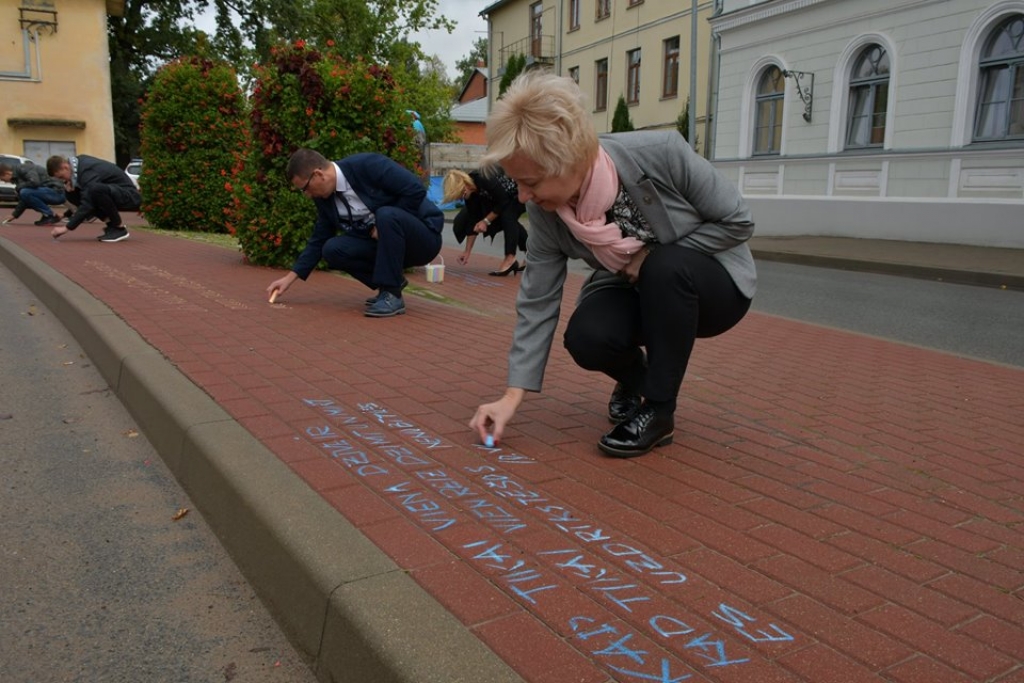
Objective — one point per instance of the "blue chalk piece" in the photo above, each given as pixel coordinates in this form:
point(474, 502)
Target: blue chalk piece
point(489, 441)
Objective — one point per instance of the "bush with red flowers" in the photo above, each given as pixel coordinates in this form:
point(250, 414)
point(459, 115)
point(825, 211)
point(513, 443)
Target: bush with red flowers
point(304, 98)
point(195, 134)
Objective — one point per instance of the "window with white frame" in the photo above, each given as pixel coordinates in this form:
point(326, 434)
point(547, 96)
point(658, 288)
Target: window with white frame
point(574, 74)
point(1000, 106)
point(869, 98)
point(633, 76)
point(601, 85)
point(771, 91)
point(670, 70)
point(604, 9)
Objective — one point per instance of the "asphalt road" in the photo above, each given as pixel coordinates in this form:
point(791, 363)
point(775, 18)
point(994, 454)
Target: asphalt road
point(99, 583)
point(978, 322)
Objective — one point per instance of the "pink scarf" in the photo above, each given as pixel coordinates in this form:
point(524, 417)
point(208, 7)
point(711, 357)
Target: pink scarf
point(587, 219)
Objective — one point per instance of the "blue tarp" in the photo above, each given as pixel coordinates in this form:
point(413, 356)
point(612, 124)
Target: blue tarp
point(435, 193)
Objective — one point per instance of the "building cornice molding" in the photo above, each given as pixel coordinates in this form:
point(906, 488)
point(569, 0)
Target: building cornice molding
point(43, 122)
point(754, 13)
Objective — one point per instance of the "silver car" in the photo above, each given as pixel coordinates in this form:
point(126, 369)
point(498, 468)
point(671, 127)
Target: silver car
point(7, 192)
point(134, 170)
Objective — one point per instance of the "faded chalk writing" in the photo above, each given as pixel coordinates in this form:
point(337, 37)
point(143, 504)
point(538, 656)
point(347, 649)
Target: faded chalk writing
point(184, 283)
point(161, 295)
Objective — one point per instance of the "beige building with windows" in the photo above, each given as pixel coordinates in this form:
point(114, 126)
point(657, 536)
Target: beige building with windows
point(55, 78)
point(892, 119)
point(639, 49)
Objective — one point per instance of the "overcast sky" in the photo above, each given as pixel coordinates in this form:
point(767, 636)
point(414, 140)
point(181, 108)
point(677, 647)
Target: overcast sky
point(470, 26)
point(449, 47)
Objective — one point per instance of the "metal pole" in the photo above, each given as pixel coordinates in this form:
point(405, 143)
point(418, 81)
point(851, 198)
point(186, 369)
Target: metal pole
point(691, 134)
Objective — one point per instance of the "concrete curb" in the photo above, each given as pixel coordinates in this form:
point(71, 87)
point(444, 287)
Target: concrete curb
point(347, 607)
point(963, 277)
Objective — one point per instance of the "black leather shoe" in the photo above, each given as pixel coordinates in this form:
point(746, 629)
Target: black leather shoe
point(623, 404)
point(639, 434)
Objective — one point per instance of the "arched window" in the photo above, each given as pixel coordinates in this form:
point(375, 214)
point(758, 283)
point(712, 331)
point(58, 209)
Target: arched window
point(869, 98)
point(771, 90)
point(1000, 113)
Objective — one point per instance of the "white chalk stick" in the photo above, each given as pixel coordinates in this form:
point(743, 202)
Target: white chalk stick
point(273, 296)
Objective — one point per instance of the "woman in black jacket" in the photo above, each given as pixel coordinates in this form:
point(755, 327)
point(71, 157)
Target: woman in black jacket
point(492, 206)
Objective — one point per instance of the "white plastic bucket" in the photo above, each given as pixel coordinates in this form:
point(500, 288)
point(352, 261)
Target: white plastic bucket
point(435, 271)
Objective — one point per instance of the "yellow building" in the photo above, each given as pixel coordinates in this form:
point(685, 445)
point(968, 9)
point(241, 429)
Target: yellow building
point(55, 78)
point(639, 49)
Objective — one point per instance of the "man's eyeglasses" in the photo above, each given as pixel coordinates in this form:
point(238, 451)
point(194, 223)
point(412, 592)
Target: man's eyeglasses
point(308, 181)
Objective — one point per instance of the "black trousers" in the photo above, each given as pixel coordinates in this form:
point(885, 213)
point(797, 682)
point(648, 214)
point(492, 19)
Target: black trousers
point(506, 223)
point(681, 295)
point(104, 202)
point(403, 240)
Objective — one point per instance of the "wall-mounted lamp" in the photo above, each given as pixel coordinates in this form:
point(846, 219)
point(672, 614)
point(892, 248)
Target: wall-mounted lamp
point(804, 91)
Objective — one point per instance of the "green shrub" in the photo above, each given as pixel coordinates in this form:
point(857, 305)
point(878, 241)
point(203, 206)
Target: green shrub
point(194, 136)
point(304, 98)
point(683, 125)
point(515, 65)
point(621, 122)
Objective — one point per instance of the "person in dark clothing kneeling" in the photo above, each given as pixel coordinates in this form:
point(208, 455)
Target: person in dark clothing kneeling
point(35, 189)
point(100, 189)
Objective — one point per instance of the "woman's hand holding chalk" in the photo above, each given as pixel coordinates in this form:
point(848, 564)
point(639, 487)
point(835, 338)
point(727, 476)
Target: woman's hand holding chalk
point(489, 441)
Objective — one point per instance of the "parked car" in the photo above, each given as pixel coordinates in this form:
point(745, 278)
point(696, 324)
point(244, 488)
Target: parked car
point(134, 170)
point(7, 193)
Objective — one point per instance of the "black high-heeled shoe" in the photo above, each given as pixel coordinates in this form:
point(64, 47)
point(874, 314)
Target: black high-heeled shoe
point(511, 270)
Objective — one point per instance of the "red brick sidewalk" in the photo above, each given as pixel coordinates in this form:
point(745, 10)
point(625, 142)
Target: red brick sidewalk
point(834, 508)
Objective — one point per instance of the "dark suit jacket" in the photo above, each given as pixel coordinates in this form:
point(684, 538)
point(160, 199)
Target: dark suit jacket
point(379, 182)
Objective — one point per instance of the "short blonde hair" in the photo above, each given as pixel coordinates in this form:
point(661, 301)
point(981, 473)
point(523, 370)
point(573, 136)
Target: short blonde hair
point(543, 116)
point(456, 183)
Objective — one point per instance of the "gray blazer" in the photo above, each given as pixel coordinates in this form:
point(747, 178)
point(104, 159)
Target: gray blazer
point(685, 200)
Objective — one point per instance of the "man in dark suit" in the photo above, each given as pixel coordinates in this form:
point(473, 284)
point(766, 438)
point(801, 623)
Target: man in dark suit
point(373, 221)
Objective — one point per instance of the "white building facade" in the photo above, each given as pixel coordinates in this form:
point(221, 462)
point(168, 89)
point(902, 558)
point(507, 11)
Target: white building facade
point(886, 119)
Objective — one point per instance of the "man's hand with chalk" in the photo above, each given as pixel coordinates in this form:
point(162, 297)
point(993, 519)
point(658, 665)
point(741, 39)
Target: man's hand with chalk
point(280, 285)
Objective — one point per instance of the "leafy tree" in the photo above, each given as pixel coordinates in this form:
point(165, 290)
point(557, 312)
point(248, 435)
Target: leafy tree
point(307, 98)
point(467, 64)
point(249, 29)
point(620, 119)
point(194, 134)
point(153, 32)
point(515, 65)
point(427, 92)
point(147, 35)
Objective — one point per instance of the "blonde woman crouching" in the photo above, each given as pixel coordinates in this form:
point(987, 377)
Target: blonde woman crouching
point(665, 232)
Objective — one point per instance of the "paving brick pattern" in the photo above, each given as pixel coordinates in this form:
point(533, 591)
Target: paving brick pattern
point(835, 507)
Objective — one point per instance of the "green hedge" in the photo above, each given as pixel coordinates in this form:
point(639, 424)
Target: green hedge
point(195, 136)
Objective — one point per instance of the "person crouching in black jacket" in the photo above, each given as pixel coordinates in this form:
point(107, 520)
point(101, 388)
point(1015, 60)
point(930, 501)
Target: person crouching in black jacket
point(492, 206)
point(99, 189)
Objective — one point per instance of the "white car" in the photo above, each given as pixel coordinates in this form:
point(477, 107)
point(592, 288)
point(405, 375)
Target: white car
point(7, 192)
point(134, 170)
